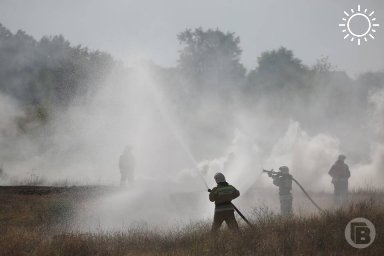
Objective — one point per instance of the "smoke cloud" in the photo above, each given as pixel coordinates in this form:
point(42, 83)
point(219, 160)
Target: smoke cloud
point(184, 127)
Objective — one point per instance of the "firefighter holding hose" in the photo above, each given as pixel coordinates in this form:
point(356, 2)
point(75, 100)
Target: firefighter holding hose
point(222, 195)
point(283, 180)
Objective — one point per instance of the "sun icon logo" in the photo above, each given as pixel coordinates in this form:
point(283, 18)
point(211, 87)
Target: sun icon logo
point(359, 25)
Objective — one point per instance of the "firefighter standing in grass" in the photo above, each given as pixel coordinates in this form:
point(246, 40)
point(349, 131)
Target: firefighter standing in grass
point(284, 181)
point(222, 195)
point(340, 174)
point(127, 166)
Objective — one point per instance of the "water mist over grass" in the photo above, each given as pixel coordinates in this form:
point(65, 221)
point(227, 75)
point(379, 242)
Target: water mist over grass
point(205, 115)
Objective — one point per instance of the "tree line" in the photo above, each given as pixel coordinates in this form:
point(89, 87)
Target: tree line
point(50, 73)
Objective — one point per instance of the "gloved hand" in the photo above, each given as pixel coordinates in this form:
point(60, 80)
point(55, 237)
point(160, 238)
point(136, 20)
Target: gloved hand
point(209, 190)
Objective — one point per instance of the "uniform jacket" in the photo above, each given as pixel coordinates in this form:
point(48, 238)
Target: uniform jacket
point(126, 162)
point(284, 182)
point(222, 195)
point(339, 171)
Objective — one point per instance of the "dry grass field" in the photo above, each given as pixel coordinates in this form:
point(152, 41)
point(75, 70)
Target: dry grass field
point(35, 221)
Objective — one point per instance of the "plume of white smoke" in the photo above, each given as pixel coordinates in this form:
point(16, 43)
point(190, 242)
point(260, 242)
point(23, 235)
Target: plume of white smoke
point(371, 175)
point(86, 141)
point(9, 114)
point(309, 158)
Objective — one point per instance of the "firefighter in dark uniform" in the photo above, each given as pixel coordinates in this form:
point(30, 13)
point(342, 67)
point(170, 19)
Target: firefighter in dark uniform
point(222, 195)
point(284, 181)
point(127, 166)
point(340, 174)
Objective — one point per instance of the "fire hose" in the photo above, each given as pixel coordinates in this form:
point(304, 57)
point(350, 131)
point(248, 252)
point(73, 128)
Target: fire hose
point(271, 172)
point(238, 212)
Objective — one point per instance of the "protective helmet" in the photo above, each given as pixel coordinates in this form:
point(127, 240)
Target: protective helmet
point(341, 157)
point(219, 177)
point(284, 169)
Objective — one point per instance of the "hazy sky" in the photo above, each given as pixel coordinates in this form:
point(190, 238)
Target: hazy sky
point(144, 29)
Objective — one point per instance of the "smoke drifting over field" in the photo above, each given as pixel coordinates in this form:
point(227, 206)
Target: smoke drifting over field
point(193, 121)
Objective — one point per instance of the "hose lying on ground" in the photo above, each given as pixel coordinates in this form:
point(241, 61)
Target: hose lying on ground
point(305, 192)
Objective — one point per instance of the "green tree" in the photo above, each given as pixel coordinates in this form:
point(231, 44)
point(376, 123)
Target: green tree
point(278, 69)
point(210, 57)
point(49, 73)
point(323, 65)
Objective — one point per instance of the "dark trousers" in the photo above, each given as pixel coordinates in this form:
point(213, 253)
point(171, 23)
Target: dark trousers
point(227, 216)
point(126, 176)
point(341, 190)
point(286, 204)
